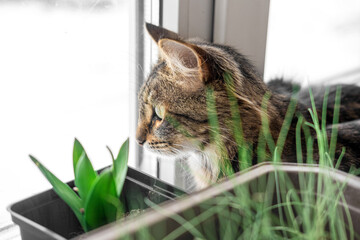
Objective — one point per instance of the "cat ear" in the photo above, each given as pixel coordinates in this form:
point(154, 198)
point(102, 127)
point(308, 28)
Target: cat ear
point(179, 54)
point(184, 60)
point(158, 33)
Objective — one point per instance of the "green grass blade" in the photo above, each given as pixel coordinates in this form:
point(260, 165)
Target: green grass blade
point(242, 146)
point(287, 121)
point(84, 175)
point(63, 191)
point(309, 144)
point(120, 167)
point(334, 131)
point(98, 209)
point(215, 133)
point(313, 107)
point(265, 125)
point(299, 156)
point(338, 162)
point(353, 170)
point(323, 117)
point(261, 148)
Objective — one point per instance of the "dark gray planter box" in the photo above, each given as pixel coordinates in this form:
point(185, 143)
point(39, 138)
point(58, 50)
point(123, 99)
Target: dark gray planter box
point(159, 224)
point(46, 216)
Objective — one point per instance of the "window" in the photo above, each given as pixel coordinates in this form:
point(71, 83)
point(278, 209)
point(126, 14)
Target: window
point(64, 74)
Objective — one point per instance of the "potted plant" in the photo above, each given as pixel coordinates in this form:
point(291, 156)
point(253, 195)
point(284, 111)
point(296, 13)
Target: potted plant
point(93, 199)
point(269, 201)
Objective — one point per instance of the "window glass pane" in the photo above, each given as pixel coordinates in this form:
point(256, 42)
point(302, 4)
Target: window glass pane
point(64, 74)
point(145, 55)
point(314, 40)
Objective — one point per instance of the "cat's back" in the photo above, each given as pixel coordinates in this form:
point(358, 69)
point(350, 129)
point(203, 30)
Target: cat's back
point(349, 98)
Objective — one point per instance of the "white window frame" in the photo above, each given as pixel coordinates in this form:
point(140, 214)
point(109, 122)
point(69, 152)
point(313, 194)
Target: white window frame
point(243, 24)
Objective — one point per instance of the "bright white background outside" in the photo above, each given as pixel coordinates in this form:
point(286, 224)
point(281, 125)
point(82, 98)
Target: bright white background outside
point(63, 74)
point(313, 40)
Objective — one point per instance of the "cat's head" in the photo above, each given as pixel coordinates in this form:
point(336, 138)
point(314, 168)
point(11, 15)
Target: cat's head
point(173, 117)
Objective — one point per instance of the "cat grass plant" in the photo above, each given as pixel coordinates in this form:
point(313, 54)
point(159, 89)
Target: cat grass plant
point(96, 198)
point(272, 207)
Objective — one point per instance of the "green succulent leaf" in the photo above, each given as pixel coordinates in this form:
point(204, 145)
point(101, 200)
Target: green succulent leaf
point(77, 152)
point(98, 209)
point(120, 167)
point(84, 176)
point(63, 190)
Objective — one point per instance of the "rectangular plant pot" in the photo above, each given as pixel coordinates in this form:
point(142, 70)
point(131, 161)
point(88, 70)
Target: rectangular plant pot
point(175, 216)
point(46, 216)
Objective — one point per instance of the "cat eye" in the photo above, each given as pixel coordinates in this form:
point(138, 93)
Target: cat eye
point(160, 111)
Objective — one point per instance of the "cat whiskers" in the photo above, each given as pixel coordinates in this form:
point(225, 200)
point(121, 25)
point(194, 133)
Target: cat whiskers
point(175, 150)
point(222, 135)
point(186, 147)
point(164, 148)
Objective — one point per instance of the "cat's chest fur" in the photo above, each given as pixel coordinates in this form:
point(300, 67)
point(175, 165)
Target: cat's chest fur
point(204, 167)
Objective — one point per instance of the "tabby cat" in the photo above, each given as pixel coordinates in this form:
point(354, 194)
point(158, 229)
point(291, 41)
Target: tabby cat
point(175, 95)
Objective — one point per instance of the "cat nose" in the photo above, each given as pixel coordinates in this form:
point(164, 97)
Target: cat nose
point(141, 141)
point(140, 136)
